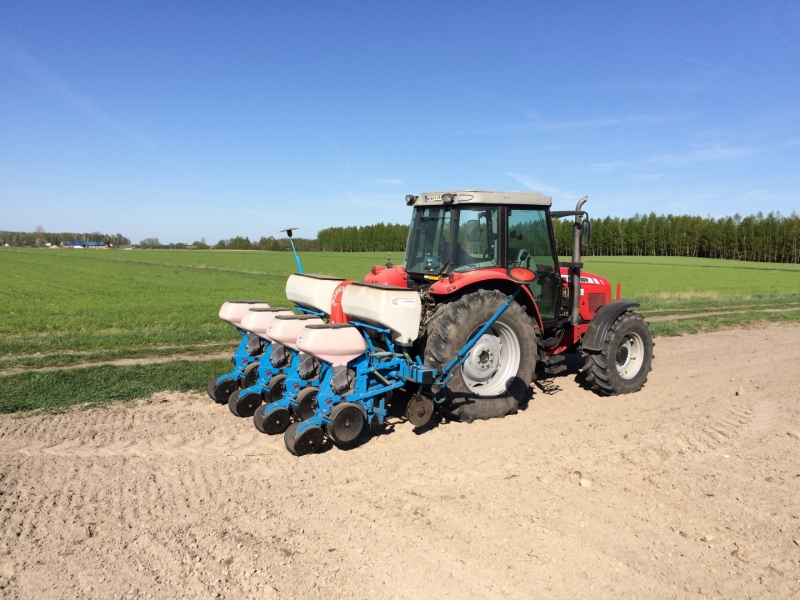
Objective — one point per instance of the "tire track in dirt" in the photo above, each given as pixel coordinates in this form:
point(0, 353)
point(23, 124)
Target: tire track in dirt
point(152, 430)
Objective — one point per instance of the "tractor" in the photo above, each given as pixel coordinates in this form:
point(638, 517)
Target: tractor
point(461, 249)
point(480, 302)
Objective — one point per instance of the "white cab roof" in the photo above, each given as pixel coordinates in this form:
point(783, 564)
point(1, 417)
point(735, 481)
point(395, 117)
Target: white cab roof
point(483, 197)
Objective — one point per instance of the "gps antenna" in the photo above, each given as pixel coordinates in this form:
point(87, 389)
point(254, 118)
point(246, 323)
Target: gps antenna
point(296, 257)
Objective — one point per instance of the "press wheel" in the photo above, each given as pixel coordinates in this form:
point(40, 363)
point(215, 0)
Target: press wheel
point(224, 389)
point(250, 375)
point(277, 388)
point(307, 442)
point(244, 405)
point(289, 437)
point(306, 403)
point(271, 420)
point(211, 388)
point(347, 423)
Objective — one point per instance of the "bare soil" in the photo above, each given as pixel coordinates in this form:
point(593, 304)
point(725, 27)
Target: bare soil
point(685, 488)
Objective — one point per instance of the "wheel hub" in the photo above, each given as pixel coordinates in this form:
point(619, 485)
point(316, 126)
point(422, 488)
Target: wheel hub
point(629, 356)
point(484, 359)
point(622, 354)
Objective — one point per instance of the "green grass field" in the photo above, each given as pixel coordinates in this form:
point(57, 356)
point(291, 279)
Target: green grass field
point(61, 307)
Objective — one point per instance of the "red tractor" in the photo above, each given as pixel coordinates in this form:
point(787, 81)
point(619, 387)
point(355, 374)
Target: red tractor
point(461, 254)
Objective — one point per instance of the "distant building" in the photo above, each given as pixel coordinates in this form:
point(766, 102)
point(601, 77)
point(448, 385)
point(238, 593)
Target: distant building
point(77, 244)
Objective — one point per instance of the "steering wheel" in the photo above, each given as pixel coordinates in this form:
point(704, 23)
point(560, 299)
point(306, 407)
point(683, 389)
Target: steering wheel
point(430, 262)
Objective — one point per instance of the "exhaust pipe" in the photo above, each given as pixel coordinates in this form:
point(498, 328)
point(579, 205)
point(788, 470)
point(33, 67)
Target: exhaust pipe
point(577, 265)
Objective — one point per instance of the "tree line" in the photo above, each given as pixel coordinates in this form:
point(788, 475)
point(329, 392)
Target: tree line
point(760, 238)
point(41, 238)
point(770, 238)
point(369, 238)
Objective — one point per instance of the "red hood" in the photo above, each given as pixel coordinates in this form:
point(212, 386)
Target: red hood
point(395, 276)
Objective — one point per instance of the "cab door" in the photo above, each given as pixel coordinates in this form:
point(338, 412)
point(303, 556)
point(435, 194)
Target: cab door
point(530, 245)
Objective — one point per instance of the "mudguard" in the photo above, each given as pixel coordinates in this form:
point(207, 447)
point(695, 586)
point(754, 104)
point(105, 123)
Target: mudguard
point(601, 323)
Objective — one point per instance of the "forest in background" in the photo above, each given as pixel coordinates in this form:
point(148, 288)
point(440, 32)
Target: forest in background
point(770, 238)
point(762, 238)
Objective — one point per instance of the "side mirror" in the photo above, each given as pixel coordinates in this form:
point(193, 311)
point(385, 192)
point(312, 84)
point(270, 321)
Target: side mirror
point(586, 233)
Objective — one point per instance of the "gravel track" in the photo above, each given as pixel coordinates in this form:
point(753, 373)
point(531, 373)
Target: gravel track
point(683, 488)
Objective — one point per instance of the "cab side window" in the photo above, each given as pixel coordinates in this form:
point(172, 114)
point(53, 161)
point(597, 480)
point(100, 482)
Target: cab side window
point(476, 239)
point(529, 246)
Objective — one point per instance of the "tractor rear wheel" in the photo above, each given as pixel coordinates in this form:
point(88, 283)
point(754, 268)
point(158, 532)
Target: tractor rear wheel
point(623, 364)
point(497, 374)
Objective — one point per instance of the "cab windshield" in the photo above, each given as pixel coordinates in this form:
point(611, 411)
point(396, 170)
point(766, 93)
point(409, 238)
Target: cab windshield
point(455, 238)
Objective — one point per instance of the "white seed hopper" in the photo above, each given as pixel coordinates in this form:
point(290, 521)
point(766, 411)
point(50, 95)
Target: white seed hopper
point(285, 328)
point(337, 343)
point(258, 320)
point(312, 291)
point(395, 308)
point(233, 311)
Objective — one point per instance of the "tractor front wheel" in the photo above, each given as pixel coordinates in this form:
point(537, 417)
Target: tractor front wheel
point(496, 375)
point(624, 362)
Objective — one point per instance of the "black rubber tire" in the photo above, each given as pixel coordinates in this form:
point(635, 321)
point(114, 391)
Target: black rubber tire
point(348, 422)
point(258, 418)
point(244, 405)
point(308, 441)
point(306, 406)
point(233, 403)
point(289, 437)
point(601, 367)
point(277, 388)
point(223, 391)
point(273, 423)
point(250, 375)
point(447, 332)
point(211, 388)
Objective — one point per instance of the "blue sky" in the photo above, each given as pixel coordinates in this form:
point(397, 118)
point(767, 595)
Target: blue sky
point(182, 120)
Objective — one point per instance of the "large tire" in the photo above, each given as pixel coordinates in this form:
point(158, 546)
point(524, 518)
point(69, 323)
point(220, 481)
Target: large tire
point(510, 370)
point(624, 362)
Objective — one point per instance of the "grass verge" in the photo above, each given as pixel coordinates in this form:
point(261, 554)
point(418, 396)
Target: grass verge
point(96, 386)
point(66, 359)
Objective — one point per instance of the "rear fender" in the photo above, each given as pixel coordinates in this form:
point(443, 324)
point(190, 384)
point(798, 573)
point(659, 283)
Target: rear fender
point(601, 323)
point(487, 279)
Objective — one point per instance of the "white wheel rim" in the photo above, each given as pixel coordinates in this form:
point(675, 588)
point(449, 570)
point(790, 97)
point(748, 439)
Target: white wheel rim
point(485, 372)
point(629, 356)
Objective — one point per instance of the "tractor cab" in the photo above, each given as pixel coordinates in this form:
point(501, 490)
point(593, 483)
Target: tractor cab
point(464, 238)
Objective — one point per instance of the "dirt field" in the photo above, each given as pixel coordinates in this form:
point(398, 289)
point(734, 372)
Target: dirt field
point(683, 489)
